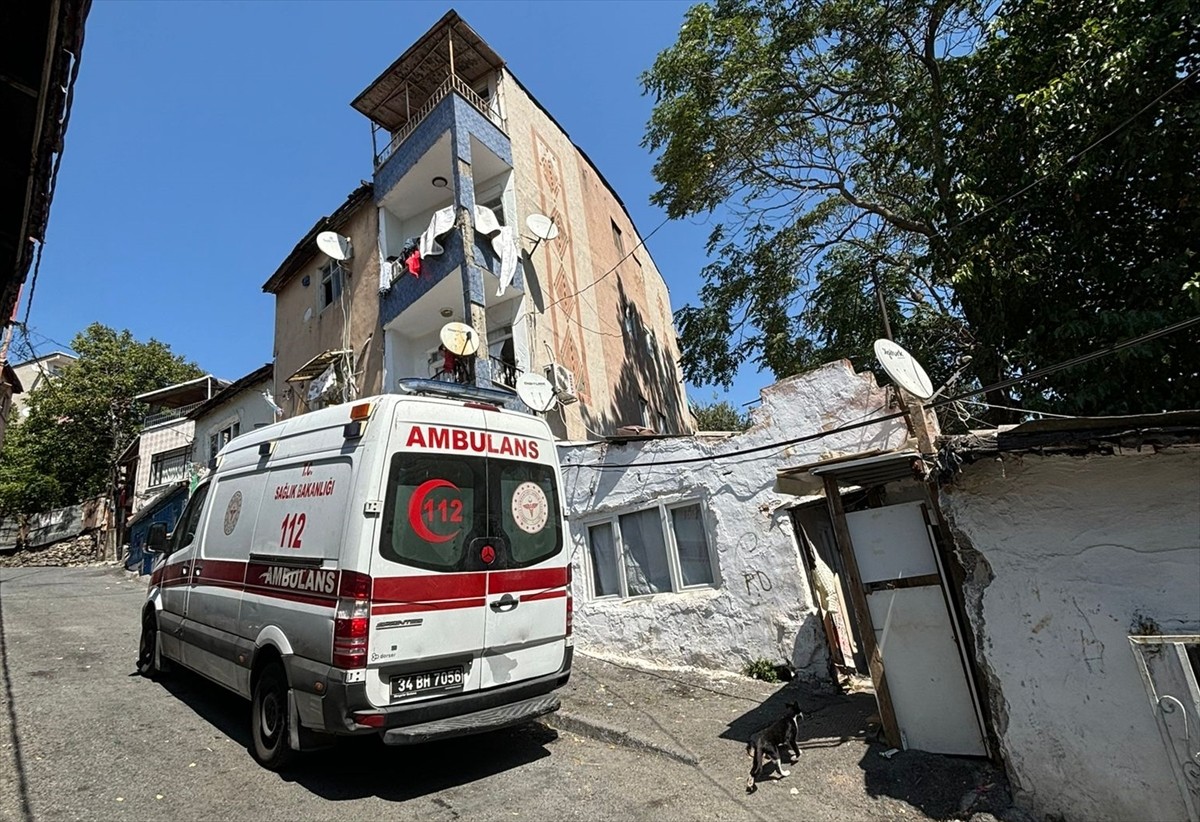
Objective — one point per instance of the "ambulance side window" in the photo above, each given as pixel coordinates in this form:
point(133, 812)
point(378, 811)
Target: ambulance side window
point(189, 521)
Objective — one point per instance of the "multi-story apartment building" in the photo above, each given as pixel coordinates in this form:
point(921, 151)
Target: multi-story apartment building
point(465, 156)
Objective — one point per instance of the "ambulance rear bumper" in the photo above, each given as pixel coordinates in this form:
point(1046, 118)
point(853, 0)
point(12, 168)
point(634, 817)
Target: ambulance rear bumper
point(504, 716)
point(343, 704)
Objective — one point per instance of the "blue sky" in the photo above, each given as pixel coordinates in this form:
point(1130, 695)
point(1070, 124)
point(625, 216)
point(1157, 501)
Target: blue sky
point(207, 137)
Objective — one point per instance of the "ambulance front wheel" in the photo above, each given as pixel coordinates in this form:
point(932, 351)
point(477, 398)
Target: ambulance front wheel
point(150, 663)
point(269, 718)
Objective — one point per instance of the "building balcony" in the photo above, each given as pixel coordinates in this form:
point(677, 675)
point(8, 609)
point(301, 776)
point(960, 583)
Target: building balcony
point(451, 85)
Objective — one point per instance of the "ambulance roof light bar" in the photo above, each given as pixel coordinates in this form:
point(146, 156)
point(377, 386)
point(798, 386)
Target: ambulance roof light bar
point(455, 391)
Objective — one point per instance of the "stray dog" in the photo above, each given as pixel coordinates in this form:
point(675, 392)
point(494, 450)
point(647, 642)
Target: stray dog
point(771, 742)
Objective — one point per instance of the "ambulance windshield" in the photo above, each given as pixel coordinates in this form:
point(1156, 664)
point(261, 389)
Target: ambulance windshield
point(468, 513)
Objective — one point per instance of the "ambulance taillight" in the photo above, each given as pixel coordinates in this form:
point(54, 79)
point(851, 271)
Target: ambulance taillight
point(352, 621)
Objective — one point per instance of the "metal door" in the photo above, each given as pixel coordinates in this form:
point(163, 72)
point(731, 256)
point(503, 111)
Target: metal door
point(927, 674)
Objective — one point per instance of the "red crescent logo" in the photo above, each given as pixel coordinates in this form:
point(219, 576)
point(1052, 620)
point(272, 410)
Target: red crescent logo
point(414, 510)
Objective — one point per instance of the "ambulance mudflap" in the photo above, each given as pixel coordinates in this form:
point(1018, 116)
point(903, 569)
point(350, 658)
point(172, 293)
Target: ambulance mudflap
point(469, 579)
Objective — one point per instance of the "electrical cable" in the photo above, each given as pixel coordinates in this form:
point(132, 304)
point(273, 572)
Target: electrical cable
point(68, 97)
point(1050, 369)
point(593, 283)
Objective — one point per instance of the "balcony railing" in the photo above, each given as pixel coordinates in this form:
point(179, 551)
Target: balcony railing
point(452, 84)
point(504, 374)
point(167, 414)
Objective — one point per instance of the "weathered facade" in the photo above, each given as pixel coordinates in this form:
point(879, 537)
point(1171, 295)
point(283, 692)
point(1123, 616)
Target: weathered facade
point(1076, 536)
point(468, 157)
point(164, 447)
point(685, 548)
point(35, 373)
point(240, 407)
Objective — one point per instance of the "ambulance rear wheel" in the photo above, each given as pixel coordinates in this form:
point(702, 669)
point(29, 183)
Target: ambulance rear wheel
point(270, 720)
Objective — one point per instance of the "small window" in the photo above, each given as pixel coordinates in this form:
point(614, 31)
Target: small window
point(656, 550)
point(331, 284)
point(618, 240)
point(497, 207)
point(169, 466)
point(220, 439)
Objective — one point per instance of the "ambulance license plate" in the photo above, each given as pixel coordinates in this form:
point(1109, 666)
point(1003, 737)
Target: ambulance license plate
point(447, 680)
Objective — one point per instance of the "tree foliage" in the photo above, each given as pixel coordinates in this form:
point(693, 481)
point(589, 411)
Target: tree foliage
point(63, 452)
point(719, 416)
point(865, 151)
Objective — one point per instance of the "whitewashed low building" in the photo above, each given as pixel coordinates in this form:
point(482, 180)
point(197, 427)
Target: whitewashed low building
point(1080, 542)
point(684, 547)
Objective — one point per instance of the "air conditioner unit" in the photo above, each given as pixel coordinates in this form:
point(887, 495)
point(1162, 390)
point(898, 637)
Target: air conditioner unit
point(563, 381)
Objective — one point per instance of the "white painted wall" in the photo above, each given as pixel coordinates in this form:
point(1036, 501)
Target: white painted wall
point(248, 407)
point(1078, 549)
point(760, 606)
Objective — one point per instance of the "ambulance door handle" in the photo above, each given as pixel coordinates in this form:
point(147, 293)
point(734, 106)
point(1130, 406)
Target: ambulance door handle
point(506, 603)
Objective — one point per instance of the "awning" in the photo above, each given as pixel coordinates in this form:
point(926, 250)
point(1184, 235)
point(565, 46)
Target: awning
point(855, 469)
point(313, 368)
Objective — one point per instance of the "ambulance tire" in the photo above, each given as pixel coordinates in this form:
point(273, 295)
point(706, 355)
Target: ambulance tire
point(150, 663)
point(269, 719)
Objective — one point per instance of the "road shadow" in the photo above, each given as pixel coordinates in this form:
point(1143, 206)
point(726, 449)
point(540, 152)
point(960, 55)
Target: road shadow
point(830, 717)
point(360, 767)
point(941, 787)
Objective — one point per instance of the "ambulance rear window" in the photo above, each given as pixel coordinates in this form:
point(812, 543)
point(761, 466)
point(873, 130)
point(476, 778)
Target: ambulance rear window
point(441, 510)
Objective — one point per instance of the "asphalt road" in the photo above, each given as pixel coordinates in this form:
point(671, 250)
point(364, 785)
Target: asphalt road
point(83, 737)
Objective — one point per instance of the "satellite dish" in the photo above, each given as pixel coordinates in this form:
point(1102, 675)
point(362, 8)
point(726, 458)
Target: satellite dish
point(543, 228)
point(903, 368)
point(459, 339)
point(536, 392)
point(335, 245)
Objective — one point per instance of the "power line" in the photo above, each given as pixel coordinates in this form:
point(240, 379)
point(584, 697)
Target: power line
point(593, 283)
point(1075, 157)
point(67, 100)
point(1050, 369)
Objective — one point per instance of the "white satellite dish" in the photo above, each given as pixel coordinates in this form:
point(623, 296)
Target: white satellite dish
point(903, 368)
point(459, 339)
point(536, 392)
point(543, 228)
point(335, 245)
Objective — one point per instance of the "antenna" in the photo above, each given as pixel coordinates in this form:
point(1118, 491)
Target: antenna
point(459, 339)
point(543, 228)
point(335, 245)
point(536, 392)
point(904, 369)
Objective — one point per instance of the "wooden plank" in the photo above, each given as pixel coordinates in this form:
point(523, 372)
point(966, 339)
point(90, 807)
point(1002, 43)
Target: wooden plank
point(858, 598)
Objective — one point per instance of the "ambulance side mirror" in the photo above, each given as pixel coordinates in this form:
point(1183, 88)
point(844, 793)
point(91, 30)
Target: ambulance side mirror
point(156, 539)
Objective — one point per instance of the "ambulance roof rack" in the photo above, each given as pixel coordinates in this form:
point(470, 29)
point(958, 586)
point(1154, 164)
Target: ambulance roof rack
point(455, 391)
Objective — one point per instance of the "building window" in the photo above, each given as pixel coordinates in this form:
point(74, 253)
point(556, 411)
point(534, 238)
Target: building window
point(656, 550)
point(220, 439)
point(331, 284)
point(618, 240)
point(644, 408)
point(169, 466)
point(496, 204)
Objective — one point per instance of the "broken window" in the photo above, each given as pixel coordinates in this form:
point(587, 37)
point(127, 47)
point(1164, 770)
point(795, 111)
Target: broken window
point(655, 550)
point(331, 284)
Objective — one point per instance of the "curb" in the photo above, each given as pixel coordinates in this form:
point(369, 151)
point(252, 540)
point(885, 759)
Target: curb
point(582, 726)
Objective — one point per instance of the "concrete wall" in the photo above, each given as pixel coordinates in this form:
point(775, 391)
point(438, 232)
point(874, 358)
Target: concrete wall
point(760, 605)
point(585, 330)
point(53, 526)
point(303, 330)
point(1065, 557)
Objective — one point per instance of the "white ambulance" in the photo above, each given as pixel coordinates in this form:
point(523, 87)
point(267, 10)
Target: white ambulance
point(395, 565)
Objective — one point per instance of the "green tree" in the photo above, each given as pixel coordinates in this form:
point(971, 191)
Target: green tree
point(859, 152)
point(79, 423)
point(719, 416)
